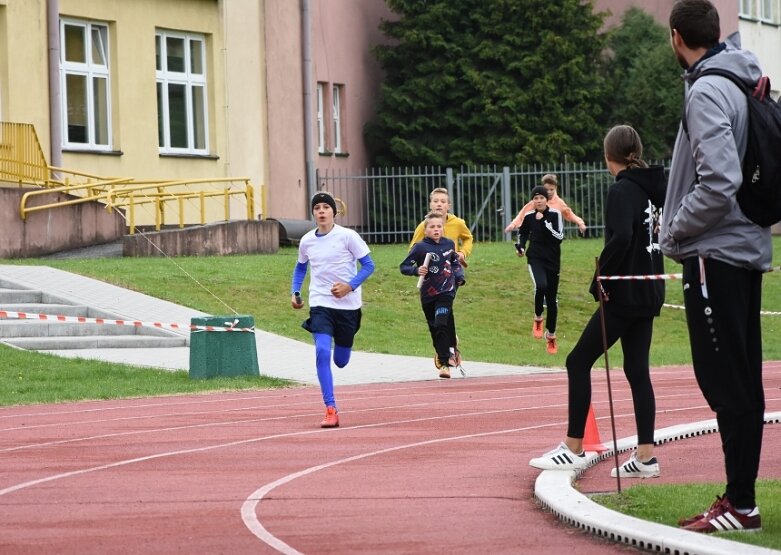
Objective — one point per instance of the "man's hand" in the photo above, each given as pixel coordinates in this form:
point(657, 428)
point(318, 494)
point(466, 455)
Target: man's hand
point(296, 301)
point(340, 289)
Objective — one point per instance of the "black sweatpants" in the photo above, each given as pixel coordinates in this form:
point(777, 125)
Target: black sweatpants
point(546, 292)
point(441, 325)
point(722, 312)
point(635, 335)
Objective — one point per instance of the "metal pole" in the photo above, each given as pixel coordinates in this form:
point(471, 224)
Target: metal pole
point(309, 131)
point(55, 92)
point(607, 373)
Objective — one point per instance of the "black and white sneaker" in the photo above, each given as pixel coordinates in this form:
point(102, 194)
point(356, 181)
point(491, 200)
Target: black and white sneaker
point(636, 469)
point(560, 458)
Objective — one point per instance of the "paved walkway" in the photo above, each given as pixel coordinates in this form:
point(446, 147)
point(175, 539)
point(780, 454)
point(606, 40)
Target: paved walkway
point(278, 356)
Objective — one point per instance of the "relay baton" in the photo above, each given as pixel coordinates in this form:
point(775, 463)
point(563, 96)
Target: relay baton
point(425, 264)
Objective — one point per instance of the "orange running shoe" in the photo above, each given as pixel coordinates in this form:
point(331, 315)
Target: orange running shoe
point(537, 329)
point(552, 347)
point(331, 419)
point(443, 368)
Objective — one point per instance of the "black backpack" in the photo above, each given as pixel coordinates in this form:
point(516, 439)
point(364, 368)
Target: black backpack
point(759, 196)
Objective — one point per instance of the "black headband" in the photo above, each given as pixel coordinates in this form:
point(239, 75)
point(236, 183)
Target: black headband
point(326, 198)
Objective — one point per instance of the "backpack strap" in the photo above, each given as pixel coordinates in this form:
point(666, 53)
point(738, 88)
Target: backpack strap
point(761, 89)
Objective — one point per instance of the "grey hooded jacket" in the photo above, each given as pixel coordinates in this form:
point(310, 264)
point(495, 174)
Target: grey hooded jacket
point(702, 218)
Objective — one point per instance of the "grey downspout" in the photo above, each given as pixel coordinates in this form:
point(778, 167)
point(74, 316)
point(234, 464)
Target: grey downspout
point(55, 93)
point(309, 131)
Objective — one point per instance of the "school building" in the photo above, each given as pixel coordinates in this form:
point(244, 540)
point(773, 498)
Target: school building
point(268, 89)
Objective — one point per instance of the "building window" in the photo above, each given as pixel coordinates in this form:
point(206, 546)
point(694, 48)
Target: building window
point(766, 12)
point(744, 8)
point(182, 115)
point(337, 117)
point(320, 118)
point(85, 85)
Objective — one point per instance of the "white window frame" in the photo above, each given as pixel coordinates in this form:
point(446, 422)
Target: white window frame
point(766, 6)
point(92, 73)
point(744, 8)
point(336, 98)
point(320, 118)
point(190, 81)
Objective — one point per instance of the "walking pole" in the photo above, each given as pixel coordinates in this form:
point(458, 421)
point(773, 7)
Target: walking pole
point(607, 374)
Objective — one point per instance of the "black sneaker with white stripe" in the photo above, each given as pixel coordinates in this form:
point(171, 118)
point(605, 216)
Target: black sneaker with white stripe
point(560, 458)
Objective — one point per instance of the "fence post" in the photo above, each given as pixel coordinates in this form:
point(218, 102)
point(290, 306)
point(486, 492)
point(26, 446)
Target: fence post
point(506, 202)
point(456, 207)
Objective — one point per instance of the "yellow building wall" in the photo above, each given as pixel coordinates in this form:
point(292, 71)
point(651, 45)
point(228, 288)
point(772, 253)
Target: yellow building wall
point(235, 84)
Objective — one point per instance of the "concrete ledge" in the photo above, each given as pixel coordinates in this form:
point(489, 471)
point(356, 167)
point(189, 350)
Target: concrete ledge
point(55, 229)
point(554, 489)
point(224, 238)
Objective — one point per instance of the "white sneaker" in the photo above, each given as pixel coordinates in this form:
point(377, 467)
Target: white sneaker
point(560, 458)
point(636, 469)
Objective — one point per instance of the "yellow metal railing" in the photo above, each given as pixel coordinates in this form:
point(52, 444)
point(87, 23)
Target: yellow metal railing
point(21, 157)
point(128, 195)
point(22, 161)
point(141, 193)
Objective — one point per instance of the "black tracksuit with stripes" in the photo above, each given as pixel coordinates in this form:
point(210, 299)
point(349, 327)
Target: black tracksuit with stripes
point(544, 235)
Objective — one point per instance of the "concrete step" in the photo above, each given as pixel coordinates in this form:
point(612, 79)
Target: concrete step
point(15, 296)
point(95, 342)
point(43, 328)
point(53, 309)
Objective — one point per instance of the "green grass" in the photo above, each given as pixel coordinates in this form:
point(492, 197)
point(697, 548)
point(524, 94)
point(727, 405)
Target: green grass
point(29, 377)
point(494, 310)
point(654, 503)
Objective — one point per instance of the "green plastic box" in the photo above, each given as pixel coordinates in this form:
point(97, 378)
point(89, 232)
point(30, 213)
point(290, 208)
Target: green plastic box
point(223, 353)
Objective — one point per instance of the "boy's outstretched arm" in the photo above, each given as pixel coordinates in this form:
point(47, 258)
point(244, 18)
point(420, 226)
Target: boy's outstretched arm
point(299, 273)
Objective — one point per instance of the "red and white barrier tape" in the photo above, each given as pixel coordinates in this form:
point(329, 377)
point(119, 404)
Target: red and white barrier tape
point(134, 323)
point(640, 278)
point(761, 312)
point(658, 276)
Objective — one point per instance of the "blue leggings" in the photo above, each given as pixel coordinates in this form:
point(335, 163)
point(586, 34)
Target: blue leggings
point(323, 362)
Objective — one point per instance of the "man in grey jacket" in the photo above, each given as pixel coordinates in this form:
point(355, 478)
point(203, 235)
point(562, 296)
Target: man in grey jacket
point(722, 252)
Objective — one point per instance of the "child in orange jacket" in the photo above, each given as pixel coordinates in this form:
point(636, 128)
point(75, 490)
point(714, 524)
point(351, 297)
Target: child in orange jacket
point(551, 183)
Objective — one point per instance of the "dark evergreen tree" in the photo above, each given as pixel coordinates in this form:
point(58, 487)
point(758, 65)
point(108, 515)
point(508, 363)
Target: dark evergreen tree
point(489, 81)
point(646, 88)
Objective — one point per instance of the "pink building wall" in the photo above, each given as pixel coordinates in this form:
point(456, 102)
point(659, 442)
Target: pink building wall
point(342, 32)
point(286, 186)
point(660, 9)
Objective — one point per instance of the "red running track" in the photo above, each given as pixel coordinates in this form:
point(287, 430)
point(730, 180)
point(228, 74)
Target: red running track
point(422, 467)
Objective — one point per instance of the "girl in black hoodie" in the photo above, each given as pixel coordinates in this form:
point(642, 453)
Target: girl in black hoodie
point(632, 215)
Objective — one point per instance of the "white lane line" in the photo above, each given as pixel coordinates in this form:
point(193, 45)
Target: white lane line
point(438, 394)
point(125, 462)
point(310, 415)
point(209, 398)
point(248, 508)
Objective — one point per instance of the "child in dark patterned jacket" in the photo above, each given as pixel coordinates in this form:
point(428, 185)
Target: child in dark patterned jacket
point(435, 261)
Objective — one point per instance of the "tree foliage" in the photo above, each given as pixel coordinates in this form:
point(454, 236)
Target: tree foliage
point(647, 91)
point(489, 81)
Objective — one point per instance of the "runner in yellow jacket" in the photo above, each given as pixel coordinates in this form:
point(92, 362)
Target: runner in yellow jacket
point(455, 228)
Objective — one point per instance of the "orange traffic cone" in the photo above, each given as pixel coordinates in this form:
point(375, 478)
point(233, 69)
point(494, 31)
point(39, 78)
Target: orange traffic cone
point(591, 441)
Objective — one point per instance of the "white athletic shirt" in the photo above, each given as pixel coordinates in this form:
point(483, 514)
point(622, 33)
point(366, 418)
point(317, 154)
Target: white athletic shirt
point(332, 257)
